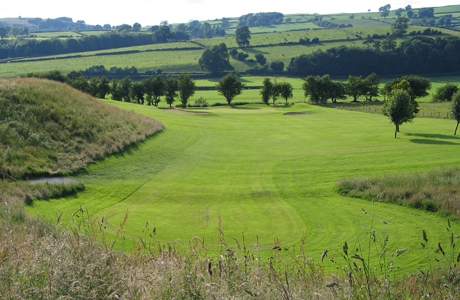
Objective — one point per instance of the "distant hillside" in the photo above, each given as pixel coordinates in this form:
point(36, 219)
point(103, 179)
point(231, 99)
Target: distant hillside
point(49, 128)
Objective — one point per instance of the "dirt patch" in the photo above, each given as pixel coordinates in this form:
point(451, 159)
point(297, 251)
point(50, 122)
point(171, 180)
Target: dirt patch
point(180, 111)
point(53, 180)
point(296, 114)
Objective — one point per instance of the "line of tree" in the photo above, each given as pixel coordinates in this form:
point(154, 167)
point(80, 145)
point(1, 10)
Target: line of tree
point(261, 19)
point(418, 55)
point(319, 89)
point(109, 40)
point(196, 29)
point(273, 90)
point(150, 89)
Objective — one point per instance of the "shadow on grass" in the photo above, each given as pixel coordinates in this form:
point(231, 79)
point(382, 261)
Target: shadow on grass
point(283, 105)
point(433, 142)
point(243, 107)
point(435, 136)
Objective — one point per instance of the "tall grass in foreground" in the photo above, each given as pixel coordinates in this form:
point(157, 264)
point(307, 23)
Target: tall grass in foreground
point(435, 191)
point(39, 260)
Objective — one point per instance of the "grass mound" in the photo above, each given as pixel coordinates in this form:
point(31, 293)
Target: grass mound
point(49, 128)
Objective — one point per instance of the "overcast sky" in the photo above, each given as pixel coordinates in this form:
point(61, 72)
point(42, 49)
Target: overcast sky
point(149, 12)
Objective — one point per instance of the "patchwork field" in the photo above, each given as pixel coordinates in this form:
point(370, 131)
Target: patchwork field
point(257, 172)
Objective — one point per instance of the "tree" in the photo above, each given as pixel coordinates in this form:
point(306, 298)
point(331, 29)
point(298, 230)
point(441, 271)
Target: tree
point(138, 91)
point(81, 84)
point(385, 10)
point(124, 27)
point(242, 36)
point(230, 86)
point(15, 31)
point(277, 66)
point(170, 91)
point(417, 87)
point(337, 91)
point(398, 108)
point(216, 59)
point(266, 90)
point(400, 26)
point(225, 22)
point(3, 32)
point(427, 12)
point(125, 88)
point(445, 93)
point(355, 87)
point(389, 43)
point(317, 87)
point(186, 86)
point(115, 90)
point(103, 87)
point(137, 27)
point(154, 88)
point(163, 34)
point(399, 11)
point(276, 92)
point(260, 58)
point(93, 86)
point(371, 86)
point(456, 109)
point(285, 90)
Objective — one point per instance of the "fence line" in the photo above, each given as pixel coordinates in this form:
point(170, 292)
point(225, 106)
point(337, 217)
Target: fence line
point(378, 110)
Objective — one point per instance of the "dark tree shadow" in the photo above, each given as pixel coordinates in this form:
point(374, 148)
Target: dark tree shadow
point(243, 107)
point(435, 136)
point(432, 142)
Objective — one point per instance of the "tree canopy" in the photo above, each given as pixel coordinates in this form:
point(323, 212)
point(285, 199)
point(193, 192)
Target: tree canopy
point(398, 107)
point(230, 86)
point(216, 59)
point(266, 90)
point(242, 36)
point(400, 26)
point(186, 87)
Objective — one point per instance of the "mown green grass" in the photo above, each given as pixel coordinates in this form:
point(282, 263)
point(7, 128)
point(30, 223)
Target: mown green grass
point(266, 175)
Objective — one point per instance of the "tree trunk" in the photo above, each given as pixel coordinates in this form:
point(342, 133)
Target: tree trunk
point(396, 130)
point(455, 132)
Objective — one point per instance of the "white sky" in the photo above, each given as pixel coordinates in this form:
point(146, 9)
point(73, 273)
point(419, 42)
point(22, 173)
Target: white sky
point(152, 12)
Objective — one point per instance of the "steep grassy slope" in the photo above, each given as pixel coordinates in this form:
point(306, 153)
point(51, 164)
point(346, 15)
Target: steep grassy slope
point(49, 128)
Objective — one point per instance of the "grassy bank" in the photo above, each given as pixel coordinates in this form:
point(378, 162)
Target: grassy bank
point(48, 128)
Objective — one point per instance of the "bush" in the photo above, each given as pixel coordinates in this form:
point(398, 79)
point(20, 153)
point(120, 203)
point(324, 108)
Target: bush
point(201, 102)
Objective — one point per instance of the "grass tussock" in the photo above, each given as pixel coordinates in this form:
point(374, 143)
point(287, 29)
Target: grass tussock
point(49, 128)
point(435, 191)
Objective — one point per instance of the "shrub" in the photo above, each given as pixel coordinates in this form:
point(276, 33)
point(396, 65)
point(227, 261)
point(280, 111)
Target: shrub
point(201, 102)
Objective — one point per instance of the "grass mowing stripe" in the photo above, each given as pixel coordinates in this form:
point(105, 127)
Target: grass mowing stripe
point(266, 175)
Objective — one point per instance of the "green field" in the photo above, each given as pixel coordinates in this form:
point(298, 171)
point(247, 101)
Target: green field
point(268, 176)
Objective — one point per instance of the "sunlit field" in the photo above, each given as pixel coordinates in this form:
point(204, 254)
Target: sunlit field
point(267, 175)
